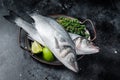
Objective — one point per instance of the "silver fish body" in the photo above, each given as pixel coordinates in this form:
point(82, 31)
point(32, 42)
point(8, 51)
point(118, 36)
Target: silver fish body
point(56, 39)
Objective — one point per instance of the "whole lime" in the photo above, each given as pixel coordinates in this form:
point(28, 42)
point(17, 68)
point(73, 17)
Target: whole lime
point(36, 47)
point(47, 55)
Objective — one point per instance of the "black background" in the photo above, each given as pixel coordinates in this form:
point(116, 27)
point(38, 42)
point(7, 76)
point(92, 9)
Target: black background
point(16, 64)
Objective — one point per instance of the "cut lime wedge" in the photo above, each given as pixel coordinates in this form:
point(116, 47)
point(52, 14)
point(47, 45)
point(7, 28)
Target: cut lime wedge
point(36, 47)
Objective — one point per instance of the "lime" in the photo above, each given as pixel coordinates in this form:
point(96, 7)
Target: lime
point(36, 47)
point(47, 54)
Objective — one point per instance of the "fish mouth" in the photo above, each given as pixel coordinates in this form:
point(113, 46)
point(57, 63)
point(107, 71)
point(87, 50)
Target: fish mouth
point(96, 49)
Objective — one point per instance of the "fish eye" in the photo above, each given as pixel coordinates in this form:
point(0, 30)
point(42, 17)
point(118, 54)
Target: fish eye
point(89, 46)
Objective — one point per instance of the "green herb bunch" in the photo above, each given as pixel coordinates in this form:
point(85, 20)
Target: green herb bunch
point(73, 26)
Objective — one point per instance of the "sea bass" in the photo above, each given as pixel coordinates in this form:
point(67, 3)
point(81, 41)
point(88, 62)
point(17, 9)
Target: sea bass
point(56, 39)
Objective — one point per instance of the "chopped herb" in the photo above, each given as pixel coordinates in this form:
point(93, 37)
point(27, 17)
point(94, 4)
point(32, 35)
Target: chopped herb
point(73, 26)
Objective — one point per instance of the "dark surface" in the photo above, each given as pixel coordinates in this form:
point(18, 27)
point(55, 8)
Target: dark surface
point(16, 64)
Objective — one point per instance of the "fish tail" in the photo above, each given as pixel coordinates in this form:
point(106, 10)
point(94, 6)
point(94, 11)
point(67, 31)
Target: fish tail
point(22, 15)
point(11, 17)
point(19, 21)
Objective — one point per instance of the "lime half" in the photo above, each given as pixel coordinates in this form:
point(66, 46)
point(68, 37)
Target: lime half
point(36, 47)
point(47, 55)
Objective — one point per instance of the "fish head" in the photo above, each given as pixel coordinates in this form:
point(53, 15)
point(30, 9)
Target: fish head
point(85, 46)
point(66, 52)
point(71, 63)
